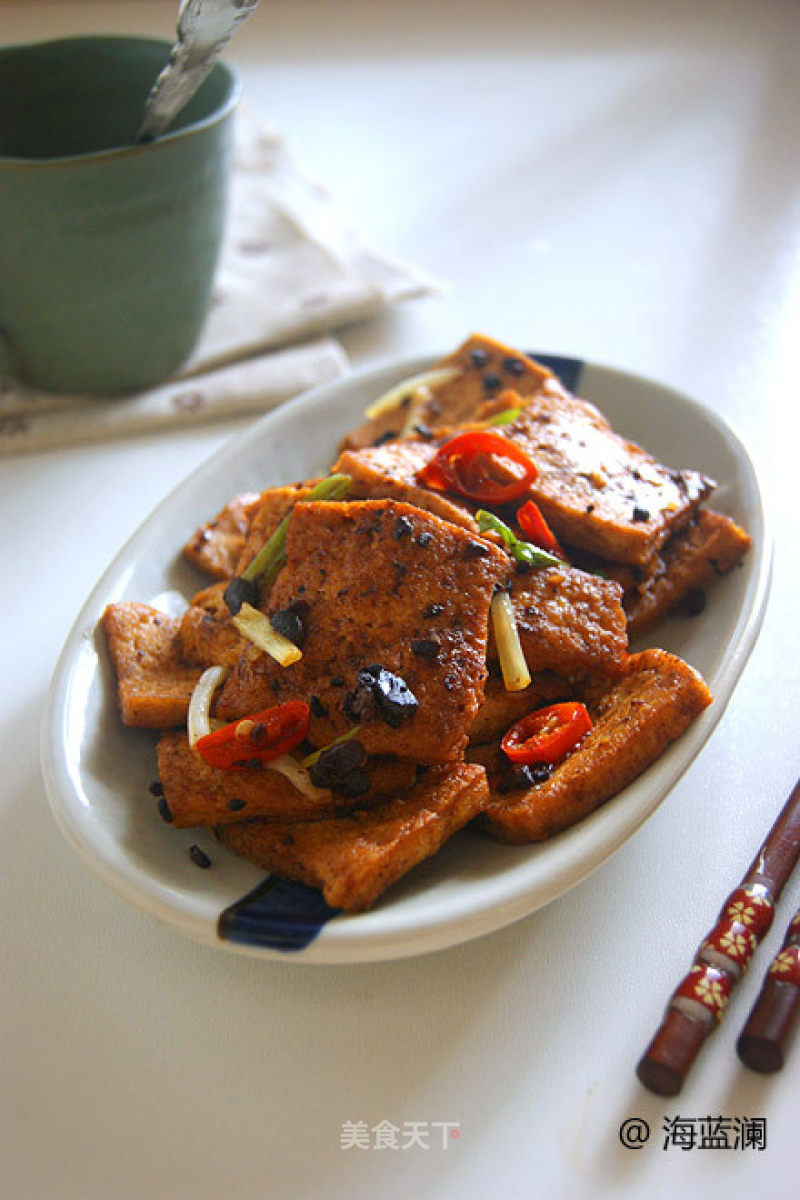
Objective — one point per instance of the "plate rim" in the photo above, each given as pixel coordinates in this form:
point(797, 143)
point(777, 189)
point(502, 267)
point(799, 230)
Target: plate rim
point(346, 942)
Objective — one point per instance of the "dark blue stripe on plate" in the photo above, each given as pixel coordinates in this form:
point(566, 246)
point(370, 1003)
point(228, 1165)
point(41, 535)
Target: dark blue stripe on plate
point(278, 914)
point(568, 370)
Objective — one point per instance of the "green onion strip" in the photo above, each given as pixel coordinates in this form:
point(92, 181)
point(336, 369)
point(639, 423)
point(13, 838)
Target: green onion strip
point(272, 555)
point(310, 759)
point(521, 552)
point(505, 417)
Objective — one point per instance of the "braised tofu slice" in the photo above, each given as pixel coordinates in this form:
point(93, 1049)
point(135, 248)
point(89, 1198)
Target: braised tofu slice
point(154, 685)
point(655, 701)
point(689, 564)
point(569, 621)
point(267, 513)
point(208, 636)
point(390, 471)
point(482, 367)
point(382, 587)
point(354, 859)
point(631, 577)
point(216, 546)
point(598, 491)
point(198, 794)
point(501, 708)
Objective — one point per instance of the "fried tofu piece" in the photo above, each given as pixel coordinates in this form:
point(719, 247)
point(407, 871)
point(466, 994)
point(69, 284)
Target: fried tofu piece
point(382, 584)
point(267, 513)
point(657, 699)
point(354, 859)
point(631, 577)
point(569, 621)
point(154, 685)
point(198, 794)
point(688, 565)
point(390, 471)
point(216, 546)
point(597, 490)
point(208, 636)
point(500, 709)
point(484, 368)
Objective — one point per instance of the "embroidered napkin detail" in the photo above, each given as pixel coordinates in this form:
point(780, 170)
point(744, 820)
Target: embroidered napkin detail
point(252, 385)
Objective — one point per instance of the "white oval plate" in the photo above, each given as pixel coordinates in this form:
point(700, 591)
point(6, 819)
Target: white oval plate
point(97, 772)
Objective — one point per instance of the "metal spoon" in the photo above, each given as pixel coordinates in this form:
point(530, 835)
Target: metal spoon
point(204, 29)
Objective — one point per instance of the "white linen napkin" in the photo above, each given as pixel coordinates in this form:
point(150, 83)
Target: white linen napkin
point(290, 269)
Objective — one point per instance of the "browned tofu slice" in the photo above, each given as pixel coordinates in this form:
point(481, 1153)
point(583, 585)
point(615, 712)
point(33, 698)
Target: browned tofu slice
point(216, 546)
point(354, 859)
point(154, 685)
point(267, 513)
point(631, 577)
point(485, 367)
point(598, 491)
point(197, 794)
point(655, 702)
point(569, 621)
point(390, 471)
point(689, 564)
point(208, 636)
point(500, 709)
point(382, 584)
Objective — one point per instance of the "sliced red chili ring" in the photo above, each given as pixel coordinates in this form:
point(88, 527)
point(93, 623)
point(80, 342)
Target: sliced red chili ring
point(481, 465)
point(536, 529)
point(256, 739)
point(547, 734)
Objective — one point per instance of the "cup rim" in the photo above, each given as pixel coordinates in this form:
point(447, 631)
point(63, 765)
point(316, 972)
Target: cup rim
point(223, 110)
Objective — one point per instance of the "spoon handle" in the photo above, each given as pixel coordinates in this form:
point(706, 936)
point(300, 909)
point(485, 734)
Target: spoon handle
point(204, 29)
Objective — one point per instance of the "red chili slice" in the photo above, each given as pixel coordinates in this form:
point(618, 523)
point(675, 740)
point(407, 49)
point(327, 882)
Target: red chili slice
point(548, 734)
point(259, 738)
point(536, 529)
point(480, 465)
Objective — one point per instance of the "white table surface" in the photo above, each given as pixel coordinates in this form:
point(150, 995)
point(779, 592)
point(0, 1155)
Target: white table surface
point(618, 181)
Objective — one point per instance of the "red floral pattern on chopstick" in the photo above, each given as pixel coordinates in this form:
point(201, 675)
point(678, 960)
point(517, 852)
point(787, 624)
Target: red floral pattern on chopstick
point(725, 954)
point(786, 965)
point(752, 905)
point(730, 945)
point(704, 993)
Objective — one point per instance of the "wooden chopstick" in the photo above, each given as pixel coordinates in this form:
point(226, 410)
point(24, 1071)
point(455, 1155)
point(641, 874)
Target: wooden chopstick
point(696, 1006)
point(769, 1029)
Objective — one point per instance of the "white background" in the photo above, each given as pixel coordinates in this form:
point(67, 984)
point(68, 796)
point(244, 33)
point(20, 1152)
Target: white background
point(615, 180)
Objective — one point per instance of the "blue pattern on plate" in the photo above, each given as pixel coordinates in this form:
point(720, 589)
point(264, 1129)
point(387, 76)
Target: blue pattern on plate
point(568, 370)
point(278, 914)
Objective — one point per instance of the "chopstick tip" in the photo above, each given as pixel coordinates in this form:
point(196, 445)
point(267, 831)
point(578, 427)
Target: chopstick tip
point(666, 1062)
point(760, 1054)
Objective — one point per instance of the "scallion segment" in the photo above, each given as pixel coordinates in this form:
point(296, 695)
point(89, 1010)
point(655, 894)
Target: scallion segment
point(272, 554)
point(257, 628)
point(392, 399)
point(314, 757)
point(505, 417)
point(516, 676)
point(198, 720)
point(288, 766)
point(262, 569)
point(521, 552)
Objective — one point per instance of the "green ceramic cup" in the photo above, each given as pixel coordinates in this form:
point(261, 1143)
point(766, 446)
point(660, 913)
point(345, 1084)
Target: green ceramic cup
point(107, 248)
